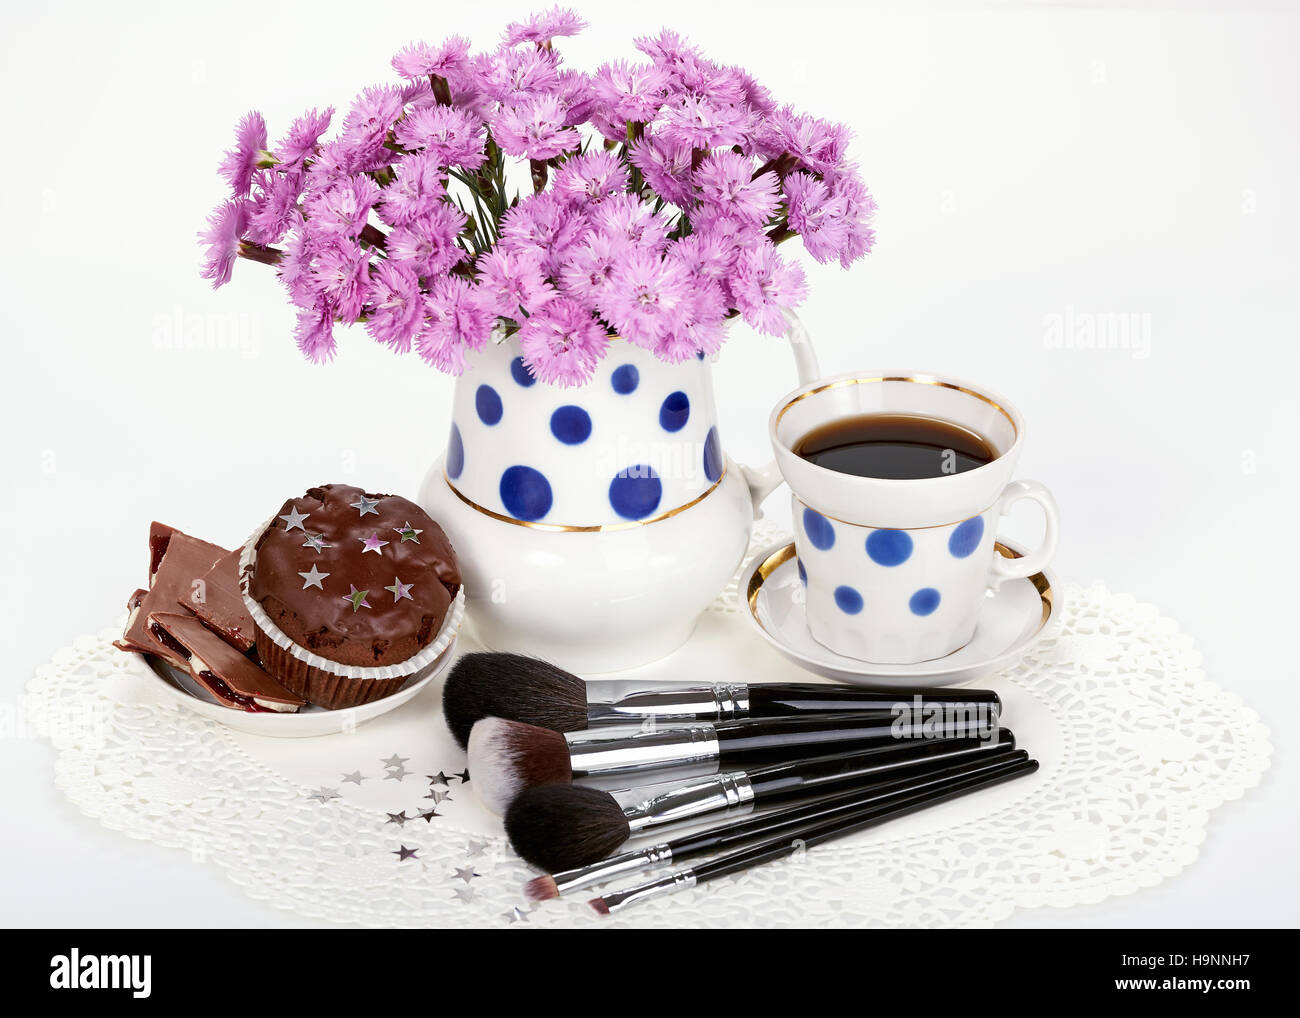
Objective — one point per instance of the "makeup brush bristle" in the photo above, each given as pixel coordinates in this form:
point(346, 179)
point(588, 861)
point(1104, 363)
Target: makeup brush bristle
point(507, 757)
point(515, 687)
point(541, 889)
point(598, 906)
point(559, 827)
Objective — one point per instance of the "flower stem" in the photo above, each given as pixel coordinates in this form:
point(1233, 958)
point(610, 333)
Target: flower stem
point(260, 253)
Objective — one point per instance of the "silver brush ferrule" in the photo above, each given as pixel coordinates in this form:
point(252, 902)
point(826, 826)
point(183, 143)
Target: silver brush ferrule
point(646, 858)
point(623, 703)
point(657, 805)
point(618, 753)
point(679, 880)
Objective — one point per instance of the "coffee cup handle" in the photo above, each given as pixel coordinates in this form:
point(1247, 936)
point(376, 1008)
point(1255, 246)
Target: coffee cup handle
point(1034, 561)
point(764, 480)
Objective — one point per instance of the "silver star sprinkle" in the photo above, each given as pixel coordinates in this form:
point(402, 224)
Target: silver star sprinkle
point(399, 589)
point(408, 532)
point(314, 578)
point(324, 794)
point(316, 542)
point(355, 777)
point(373, 543)
point(366, 505)
point(293, 519)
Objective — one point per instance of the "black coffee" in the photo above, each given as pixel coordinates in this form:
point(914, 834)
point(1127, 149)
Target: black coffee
point(896, 447)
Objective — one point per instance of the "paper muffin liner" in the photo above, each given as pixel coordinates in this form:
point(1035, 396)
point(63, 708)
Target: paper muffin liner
point(331, 683)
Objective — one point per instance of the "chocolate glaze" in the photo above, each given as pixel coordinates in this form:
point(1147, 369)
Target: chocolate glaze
point(221, 669)
point(322, 619)
point(221, 605)
point(185, 560)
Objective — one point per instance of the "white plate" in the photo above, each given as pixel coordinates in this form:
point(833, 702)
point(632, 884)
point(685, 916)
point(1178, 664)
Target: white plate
point(310, 720)
point(1013, 619)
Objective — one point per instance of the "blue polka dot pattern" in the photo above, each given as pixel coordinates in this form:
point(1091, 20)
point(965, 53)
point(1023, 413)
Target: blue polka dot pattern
point(713, 456)
point(519, 372)
point(803, 573)
point(488, 404)
point(889, 547)
point(455, 462)
point(675, 412)
point(699, 355)
point(966, 538)
point(819, 530)
point(625, 379)
point(525, 493)
point(571, 425)
point(635, 492)
point(924, 601)
point(849, 600)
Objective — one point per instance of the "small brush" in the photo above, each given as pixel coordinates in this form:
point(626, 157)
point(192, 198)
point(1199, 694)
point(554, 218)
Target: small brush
point(561, 827)
point(506, 757)
point(781, 847)
point(789, 822)
point(521, 688)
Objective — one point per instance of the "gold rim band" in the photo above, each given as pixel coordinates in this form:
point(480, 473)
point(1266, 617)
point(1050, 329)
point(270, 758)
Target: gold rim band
point(599, 528)
point(783, 555)
point(919, 379)
point(872, 526)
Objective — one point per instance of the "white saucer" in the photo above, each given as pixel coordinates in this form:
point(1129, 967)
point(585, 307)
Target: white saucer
point(310, 720)
point(1013, 619)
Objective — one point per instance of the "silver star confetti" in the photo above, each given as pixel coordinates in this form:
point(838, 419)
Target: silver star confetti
point(476, 848)
point(355, 778)
point(372, 543)
point(396, 773)
point(323, 794)
point(428, 815)
point(466, 874)
point(366, 505)
point(465, 894)
point(438, 797)
point(464, 776)
point(398, 818)
point(439, 779)
point(408, 532)
point(399, 590)
point(395, 761)
point(314, 578)
point(357, 597)
point(316, 542)
point(516, 915)
point(403, 853)
point(293, 519)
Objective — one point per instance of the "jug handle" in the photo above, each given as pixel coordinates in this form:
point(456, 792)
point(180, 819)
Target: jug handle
point(764, 480)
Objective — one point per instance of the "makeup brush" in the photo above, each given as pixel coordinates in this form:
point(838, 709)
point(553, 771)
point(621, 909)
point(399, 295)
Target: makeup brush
point(521, 688)
point(787, 845)
point(788, 822)
point(506, 757)
point(560, 827)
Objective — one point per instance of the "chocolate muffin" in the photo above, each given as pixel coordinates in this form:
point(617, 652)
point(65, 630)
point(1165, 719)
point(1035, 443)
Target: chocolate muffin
point(348, 592)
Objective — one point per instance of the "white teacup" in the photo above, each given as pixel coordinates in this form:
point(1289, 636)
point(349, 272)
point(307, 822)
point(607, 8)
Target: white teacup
point(896, 570)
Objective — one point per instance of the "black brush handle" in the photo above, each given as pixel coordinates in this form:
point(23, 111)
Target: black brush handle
point(780, 847)
point(792, 821)
point(827, 775)
point(783, 699)
point(773, 740)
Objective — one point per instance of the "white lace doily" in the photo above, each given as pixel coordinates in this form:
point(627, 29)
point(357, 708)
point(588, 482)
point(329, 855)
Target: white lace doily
point(377, 826)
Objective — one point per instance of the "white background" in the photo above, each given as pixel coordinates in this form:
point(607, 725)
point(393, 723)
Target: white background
point(1028, 160)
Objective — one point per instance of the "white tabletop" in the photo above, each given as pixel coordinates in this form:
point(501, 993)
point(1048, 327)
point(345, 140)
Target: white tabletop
point(1036, 170)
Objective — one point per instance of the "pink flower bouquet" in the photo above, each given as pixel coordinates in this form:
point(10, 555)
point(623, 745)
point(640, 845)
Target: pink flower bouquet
point(659, 193)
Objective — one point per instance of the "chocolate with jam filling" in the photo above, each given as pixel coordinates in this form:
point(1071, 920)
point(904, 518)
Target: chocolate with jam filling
point(185, 560)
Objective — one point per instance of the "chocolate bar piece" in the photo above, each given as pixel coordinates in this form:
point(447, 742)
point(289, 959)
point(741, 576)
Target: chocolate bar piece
point(185, 560)
point(217, 666)
point(133, 617)
point(217, 601)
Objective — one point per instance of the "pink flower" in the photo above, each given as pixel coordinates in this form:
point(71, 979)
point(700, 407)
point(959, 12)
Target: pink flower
point(296, 265)
point(534, 129)
point(562, 343)
point(666, 167)
point(590, 179)
point(396, 305)
point(303, 137)
point(702, 124)
point(543, 225)
point(589, 265)
point(366, 127)
point(510, 280)
point(428, 242)
point(416, 191)
point(274, 211)
point(542, 28)
point(240, 162)
point(818, 144)
point(635, 221)
point(450, 59)
point(342, 274)
point(516, 75)
point(453, 137)
point(644, 296)
point(630, 91)
point(727, 184)
point(315, 334)
point(763, 285)
point(668, 49)
point(708, 253)
point(226, 227)
point(342, 210)
point(456, 321)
